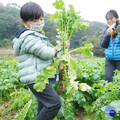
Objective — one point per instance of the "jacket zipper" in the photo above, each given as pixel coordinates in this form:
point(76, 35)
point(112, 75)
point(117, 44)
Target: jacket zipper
point(113, 52)
point(113, 45)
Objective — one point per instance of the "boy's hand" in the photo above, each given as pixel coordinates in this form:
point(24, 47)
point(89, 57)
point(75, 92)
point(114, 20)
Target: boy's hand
point(67, 43)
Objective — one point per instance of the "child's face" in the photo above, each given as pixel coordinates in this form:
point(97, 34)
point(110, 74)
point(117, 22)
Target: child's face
point(111, 19)
point(35, 25)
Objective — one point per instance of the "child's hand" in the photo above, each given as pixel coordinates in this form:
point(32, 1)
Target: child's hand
point(67, 43)
point(109, 31)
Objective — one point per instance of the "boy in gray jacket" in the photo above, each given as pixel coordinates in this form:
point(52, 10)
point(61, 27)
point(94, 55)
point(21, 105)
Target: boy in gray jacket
point(35, 54)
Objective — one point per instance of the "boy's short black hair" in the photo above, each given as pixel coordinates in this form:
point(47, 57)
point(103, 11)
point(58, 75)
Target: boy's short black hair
point(30, 11)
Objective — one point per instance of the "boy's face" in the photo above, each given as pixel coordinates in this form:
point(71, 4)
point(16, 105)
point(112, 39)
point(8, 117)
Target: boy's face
point(35, 25)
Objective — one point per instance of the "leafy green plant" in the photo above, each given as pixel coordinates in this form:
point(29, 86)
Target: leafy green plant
point(67, 111)
point(84, 99)
point(22, 114)
point(108, 95)
point(67, 20)
point(9, 79)
point(42, 79)
point(19, 99)
point(67, 23)
point(90, 71)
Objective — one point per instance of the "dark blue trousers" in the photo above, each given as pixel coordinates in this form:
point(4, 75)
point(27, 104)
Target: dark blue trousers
point(49, 102)
point(110, 67)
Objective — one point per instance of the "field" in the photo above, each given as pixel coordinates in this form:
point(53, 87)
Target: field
point(7, 54)
point(85, 105)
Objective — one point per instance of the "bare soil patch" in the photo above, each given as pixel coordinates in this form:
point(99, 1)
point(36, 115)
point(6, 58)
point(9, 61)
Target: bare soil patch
point(7, 54)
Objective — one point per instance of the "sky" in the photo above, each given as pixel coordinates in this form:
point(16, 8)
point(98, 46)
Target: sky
point(92, 10)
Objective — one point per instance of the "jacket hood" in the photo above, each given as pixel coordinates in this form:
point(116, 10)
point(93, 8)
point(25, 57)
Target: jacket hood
point(18, 33)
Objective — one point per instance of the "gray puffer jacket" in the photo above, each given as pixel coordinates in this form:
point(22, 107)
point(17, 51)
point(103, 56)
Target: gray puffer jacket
point(34, 54)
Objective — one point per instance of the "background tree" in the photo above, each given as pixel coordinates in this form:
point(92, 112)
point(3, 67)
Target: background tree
point(95, 40)
point(9, 24)
point(50, 29)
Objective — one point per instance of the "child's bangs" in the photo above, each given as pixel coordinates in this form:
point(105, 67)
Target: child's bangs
point(109, 15)
point(37, 13)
